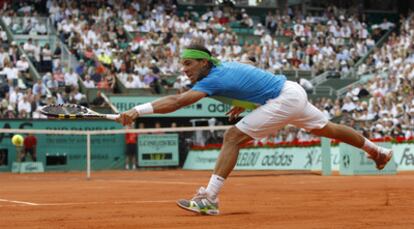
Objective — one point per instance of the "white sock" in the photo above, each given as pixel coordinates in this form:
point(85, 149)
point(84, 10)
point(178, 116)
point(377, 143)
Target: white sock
point(370, 148)
point(214, 186)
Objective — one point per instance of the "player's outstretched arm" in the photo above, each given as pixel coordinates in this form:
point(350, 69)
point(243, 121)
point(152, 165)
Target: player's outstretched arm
point(163, 105)
point(172, 103)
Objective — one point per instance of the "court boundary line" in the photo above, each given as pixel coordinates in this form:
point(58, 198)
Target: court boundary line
point(26, 204)
point(148, 181)
point(19, 202)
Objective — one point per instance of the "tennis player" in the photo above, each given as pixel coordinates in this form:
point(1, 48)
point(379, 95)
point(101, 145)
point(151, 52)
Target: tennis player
point(281, 102)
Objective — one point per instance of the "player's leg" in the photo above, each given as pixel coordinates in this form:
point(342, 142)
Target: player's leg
point(264, 120)
point(380, 155)
point(313, 120)
point(206, 201)
point(227, 159)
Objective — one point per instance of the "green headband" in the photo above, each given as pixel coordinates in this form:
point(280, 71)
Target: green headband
point(197, 54)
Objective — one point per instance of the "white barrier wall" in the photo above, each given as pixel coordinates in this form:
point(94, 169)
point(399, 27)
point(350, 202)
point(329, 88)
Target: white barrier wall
point(292, 158)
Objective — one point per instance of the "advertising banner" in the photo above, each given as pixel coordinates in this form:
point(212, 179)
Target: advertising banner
point(206, 107)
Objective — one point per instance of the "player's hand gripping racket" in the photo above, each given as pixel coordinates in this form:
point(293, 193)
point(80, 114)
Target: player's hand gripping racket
point(73, 111)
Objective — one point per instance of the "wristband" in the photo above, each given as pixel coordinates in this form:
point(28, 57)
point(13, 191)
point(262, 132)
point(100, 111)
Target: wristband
point(144, 109)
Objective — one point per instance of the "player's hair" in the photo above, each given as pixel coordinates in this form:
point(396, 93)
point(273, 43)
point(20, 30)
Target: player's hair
point(200, 47)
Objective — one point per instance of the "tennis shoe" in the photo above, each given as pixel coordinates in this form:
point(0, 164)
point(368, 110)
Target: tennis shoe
point(383, 157)
point(201, 203)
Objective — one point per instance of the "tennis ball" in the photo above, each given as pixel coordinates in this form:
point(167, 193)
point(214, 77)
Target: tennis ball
point(17, 140)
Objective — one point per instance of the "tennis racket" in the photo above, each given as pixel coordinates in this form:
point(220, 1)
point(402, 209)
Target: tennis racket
point(73, 111)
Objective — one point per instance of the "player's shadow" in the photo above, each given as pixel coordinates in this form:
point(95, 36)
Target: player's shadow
point(236, 213)
point(305, 173)
point(221, 214)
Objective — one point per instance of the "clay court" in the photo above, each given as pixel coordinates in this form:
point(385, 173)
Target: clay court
point(250, 199)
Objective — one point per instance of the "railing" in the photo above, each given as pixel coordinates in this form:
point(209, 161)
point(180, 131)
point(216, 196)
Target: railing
point(296, 73)
point(326, 90)
point(113, 108)
point(320, 78)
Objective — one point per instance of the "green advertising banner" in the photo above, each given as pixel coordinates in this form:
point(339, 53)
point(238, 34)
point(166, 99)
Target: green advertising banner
point(206, 107)
point(293, 158)
point(66, 152)
point(158, 150)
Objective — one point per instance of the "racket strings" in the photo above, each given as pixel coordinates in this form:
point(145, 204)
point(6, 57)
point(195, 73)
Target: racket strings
point(65, 110)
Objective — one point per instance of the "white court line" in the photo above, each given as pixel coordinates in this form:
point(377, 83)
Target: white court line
point(106, 202)
point(86, 203)
point(19, 202)
point(149, 182)
point(115, 180)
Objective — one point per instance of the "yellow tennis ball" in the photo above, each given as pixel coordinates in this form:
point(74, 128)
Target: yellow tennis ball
point(17, 140)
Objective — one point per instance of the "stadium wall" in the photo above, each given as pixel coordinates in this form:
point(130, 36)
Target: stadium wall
point(291, 158)
point(107, 150)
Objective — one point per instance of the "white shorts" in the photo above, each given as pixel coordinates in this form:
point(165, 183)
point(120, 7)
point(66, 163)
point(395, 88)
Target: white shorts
point(290, 107)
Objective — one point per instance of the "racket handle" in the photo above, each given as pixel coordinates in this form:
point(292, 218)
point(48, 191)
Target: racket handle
point(112, 116)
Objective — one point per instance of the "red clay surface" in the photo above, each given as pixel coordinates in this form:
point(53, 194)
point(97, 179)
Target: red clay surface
point(251, 199)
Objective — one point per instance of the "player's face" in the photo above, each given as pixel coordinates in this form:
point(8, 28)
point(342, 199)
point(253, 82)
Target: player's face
point(194, 69)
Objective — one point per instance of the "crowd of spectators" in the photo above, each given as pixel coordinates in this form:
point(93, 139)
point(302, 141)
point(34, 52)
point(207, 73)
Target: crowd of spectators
point(96, 33)
point(20, 95)
point(384, 105)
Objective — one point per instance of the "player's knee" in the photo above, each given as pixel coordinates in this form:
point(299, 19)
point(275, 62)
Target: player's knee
point(328, 130)
point(234, 135)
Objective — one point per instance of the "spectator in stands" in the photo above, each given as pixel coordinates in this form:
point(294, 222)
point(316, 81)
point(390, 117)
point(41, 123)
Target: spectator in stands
point(88, 82)
point(15, 95)
point(181, 83)
point(386, 25)
point(71, 78)
point(9, 113)
point(22, 66)
point(110, 79)
point(259, 30)
point(46, 78)
point(52, 84)
point(75, 97)
point(39, 88)
point(30, 49)
point(99, 100)
point(81, 68)
point(131, 82)
point(13, 53)
point(24, 108)
point(59, 76)
point(46, 59)
point(3, 57)
point(37, 53)
point(10, 71)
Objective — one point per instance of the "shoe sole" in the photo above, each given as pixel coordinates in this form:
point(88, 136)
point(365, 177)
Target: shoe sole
point(209, 212)
point(387, 159)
